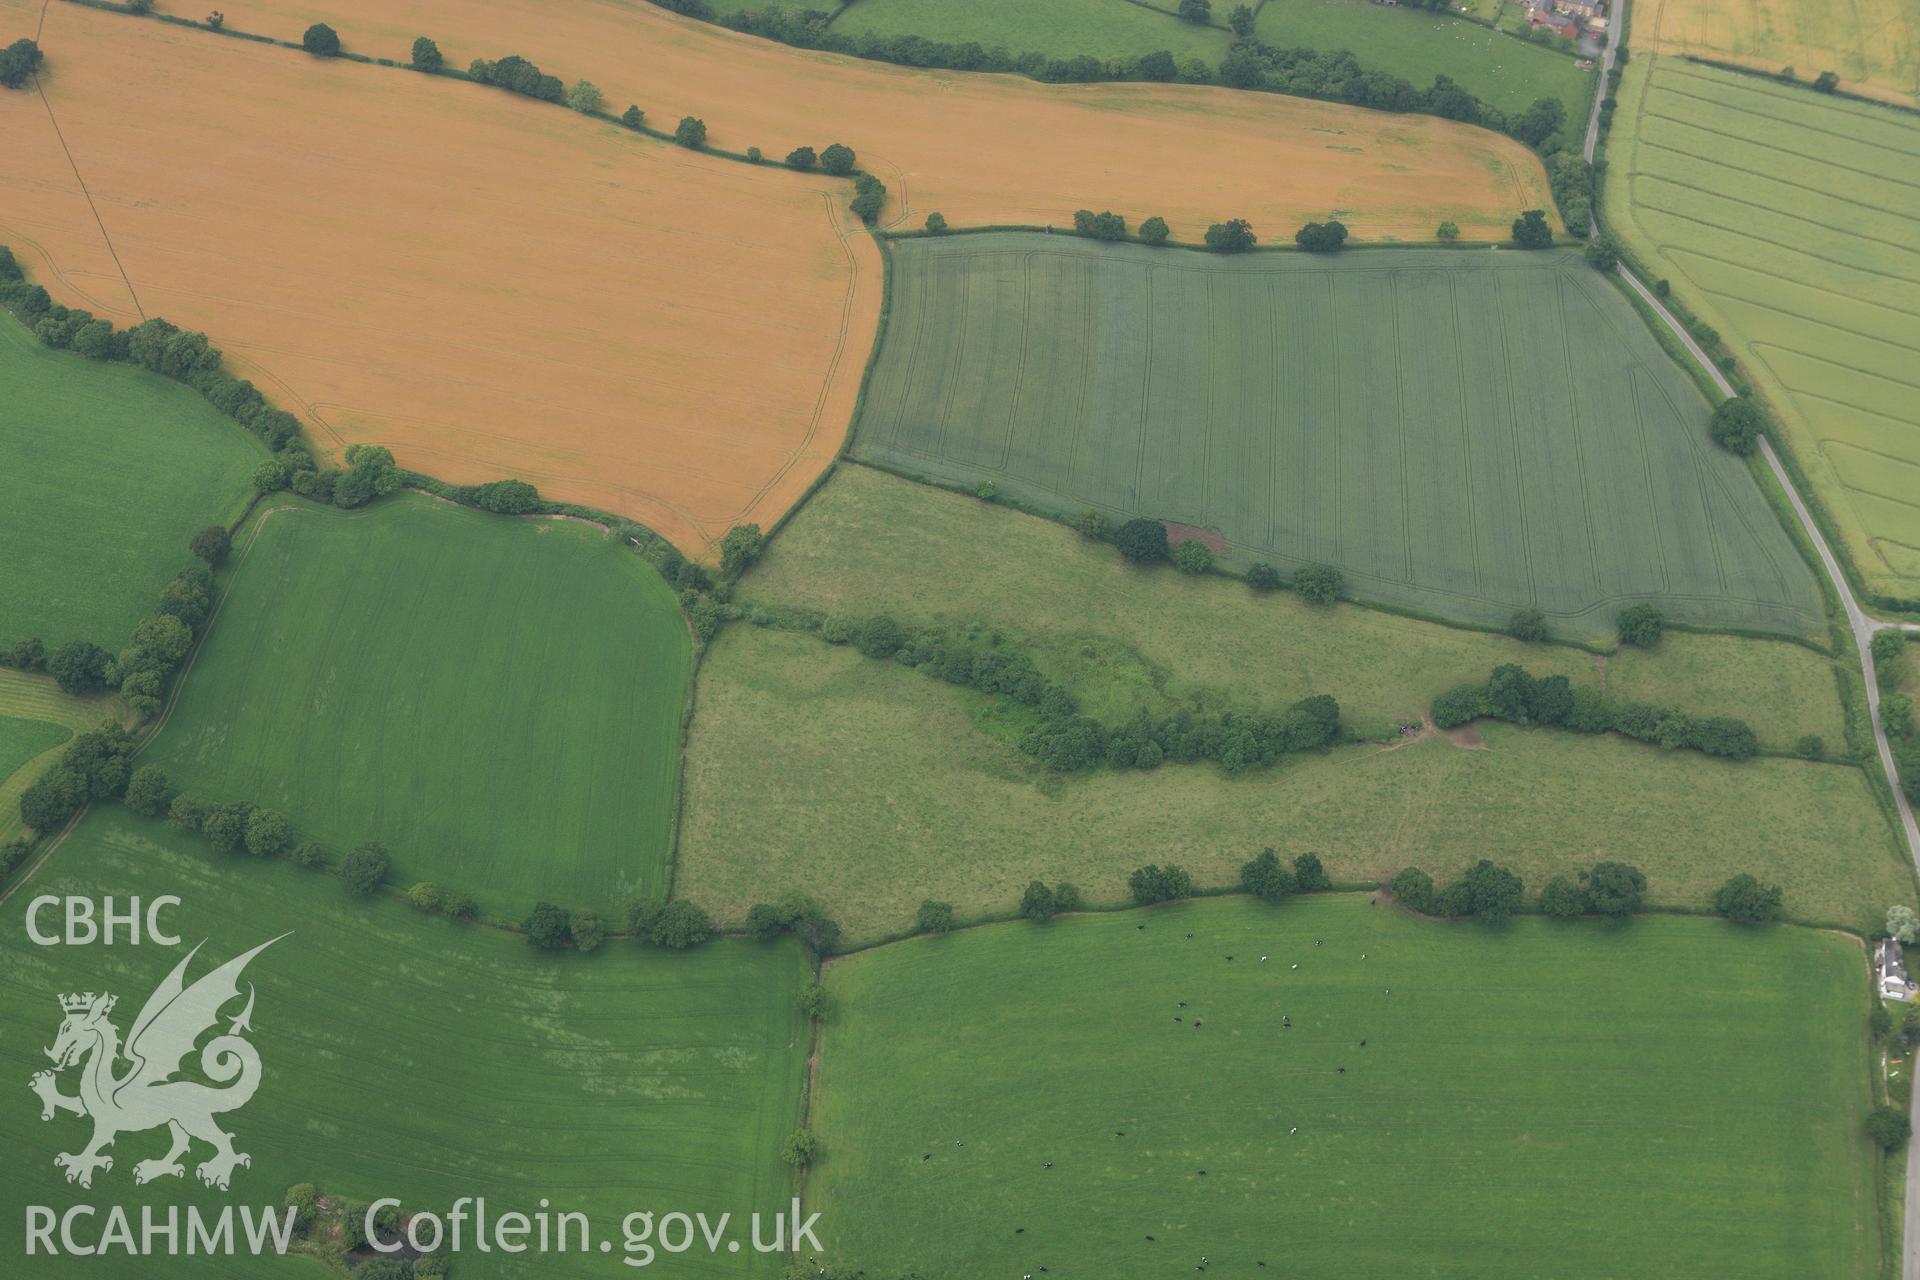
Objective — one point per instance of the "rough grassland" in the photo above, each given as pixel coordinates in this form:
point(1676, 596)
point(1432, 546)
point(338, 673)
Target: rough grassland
point(489, 285)
point(36, 701)
point(496, 700)
point(1522, 1097)
point(1416, 45)
point(1791, 222)
point(105, 472)
point(1465, 433)
point(905, 797)
point(1105, 29)
point(985, 149)
point(405, 1055)
point(1874, 45)
point(1124, 638)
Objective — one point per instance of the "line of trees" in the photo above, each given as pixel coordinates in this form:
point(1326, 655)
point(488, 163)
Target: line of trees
point(1514, 695)
point(1492, 894)
point(1890, 664)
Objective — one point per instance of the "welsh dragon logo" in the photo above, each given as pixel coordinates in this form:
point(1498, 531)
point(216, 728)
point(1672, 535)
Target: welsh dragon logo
point(146, 1095)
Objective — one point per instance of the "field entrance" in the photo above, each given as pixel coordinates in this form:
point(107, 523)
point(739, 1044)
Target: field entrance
point(1463, 432)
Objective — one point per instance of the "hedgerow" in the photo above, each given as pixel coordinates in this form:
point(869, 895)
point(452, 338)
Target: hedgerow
point(1514, 695)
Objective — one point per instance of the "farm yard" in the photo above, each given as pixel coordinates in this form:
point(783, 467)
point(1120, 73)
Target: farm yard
point(497, 701)
point(1787, 220)
point(105, 473)
point(1124, 639)
point(989, 149)
point(411, 1056)
point(1874, 45)
point(671, 337)
point(1447, 1083)
point(1462, 433)
point(1497, 68)
point(914, 790)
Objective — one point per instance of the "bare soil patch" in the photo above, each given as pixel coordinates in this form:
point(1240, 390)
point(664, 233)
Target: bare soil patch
point(1467, 738)
point(1212, 539)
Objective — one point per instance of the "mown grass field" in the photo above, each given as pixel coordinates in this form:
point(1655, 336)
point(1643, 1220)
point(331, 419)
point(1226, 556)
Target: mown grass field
point(911, 791)
point(1873, 45)
point(1123, 638)
point(1791, 222)
point(1677, 1097)
point(41, 720)
point(1417, 45)
point(1464, 433)
point(406, 1055)
point(497, 701)
point(105, 472)
point(1104, 29)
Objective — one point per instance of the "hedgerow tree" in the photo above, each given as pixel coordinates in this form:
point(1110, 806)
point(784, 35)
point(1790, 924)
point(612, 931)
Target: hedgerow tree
point(1193, 556)
point(321, 40)
point(1527, 624)
point(1744, 900)
point(79, 666)
point(1153, 883)
point(1263, 577)
point(801, 1148)
point(1826, 82)
point(1106, 225)
point(1602, 253)
point(1266, 878)
point(1736, 425)
point(1413, 889)
point(1641, 625)
point(1197, 11)
point(870, 196)
point(1310, 875)
point(1036, 903)
point(801, 158)
point(742, 545)
point(1615, 888)
point(149, 791)
point(838, 160)
point(1232, 236)
point(1320, 583)
point(426, 55)
point(585, 929)
point(585, 97)
point(633, 117)
point(18, 62)
point(934, 916)
point(268, 833)
point(691, 132)
point(424, 896)
point(1562, 899)
point(936, 222)
point(365, 869)
point(1888, 1126)
point(1321, 237)
point(1142, 541)
point(548, 927)
point(1448, 232)
point(212, 544)
point(1530, 230)
point(1154, 230)
point(1489, 893)
point(676, 925)
point(1240, 21)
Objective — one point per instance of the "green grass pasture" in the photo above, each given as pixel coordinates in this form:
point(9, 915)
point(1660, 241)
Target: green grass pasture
point(496, 700)
point(872, 786)
point(1418, 45)
point(1463, 432)
point(105, 472)
point(1676, 1097)
point(410, 1056)
point(1123, 638)
point(1790, 221)
point(1106, 29)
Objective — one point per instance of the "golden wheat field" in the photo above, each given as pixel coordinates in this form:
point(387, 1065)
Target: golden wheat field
point(490, 286)
point(982, 148)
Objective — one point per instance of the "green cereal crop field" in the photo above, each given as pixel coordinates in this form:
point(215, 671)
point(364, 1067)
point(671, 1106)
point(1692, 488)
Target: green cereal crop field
point(1461, 432)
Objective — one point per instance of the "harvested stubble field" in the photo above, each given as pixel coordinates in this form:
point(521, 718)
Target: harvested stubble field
point(1123, 638)
point(488, 285)
point(1497, 68)
point(1462, 432)
point(1873, 45)
point(496, 700)
point(911, 792)
point(1790, 221)
point(1521, 1096)
point(985, 149)
point(105, 472)
point(411, 1056)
